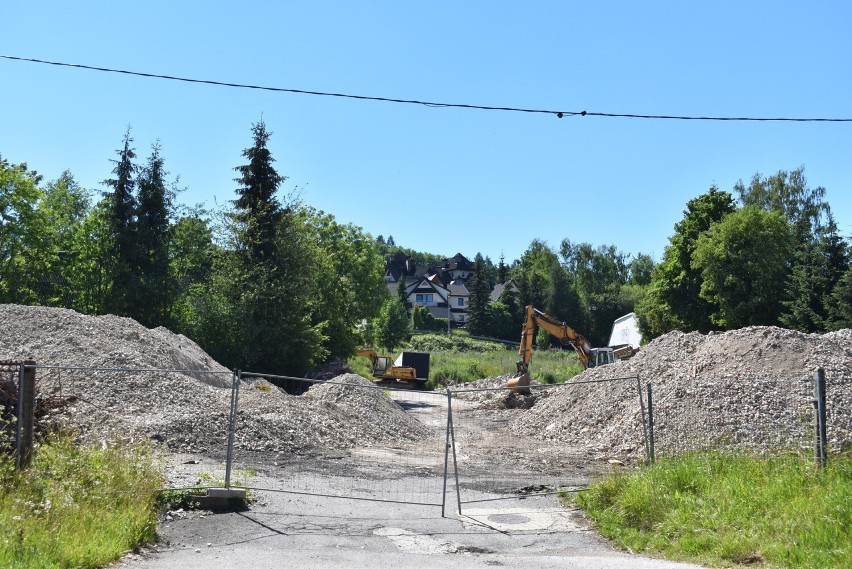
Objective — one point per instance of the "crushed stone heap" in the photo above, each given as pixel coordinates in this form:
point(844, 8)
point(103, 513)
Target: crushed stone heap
point(187, 411)
point(749, 389)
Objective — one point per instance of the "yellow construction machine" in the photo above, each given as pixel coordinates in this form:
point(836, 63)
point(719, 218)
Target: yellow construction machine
point(411, 367)
point(589, 356)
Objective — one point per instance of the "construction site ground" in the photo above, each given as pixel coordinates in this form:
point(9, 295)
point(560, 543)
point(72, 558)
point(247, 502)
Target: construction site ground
point(281, 529)
point(746, 390)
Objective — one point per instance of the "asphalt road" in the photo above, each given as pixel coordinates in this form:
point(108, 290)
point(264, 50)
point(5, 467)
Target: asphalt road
point(287, 530)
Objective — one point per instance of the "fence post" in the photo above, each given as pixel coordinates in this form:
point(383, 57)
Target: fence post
point(651, 423)
point(644, 425)
point(819, 405)
point(453, 444)
point(446, 457)
point(26, 414)
point(232, 426)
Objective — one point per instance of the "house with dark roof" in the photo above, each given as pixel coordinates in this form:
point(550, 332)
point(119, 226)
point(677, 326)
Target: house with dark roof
point(500, 288)
point(399, 265)
point(441, 291)
point(459, 267)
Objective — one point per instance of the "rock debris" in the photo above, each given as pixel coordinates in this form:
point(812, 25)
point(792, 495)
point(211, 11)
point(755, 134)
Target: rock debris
point(750, 389)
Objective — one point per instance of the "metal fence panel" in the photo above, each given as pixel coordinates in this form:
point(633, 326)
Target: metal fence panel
point(182, 413)
point(497, 462)
point(345, 437)
point(755, 413)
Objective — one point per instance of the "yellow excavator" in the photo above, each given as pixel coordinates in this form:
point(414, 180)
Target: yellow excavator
point(383, 367)
point(589, 356)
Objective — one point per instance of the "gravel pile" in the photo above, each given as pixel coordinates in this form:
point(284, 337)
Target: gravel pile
point(749, 388)
point(187, 411)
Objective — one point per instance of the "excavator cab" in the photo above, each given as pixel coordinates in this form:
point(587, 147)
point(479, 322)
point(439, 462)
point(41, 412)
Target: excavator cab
point(381, 365)
point(600, 357)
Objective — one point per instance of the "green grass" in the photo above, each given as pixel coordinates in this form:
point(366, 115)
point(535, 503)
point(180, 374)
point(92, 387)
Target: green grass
point(77, 506)
point(725, 510)
point(461, 359)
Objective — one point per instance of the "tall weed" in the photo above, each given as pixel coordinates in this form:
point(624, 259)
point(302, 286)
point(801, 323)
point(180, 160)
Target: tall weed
point(77, 506)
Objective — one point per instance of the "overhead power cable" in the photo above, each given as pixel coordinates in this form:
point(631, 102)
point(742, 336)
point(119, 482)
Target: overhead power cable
point(558, 114)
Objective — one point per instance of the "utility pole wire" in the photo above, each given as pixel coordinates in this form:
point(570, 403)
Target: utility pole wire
point(558, 114)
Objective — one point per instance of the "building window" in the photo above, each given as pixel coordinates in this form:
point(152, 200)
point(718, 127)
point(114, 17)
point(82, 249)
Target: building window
point(461, 302)
point(422, 299)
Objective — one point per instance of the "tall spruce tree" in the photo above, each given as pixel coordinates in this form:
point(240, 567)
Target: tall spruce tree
point(839, 303)
point(502, 271)
point(258, 210)
point(154, 290)
point(271, 297)
point(818, 264)
point(479, 291)
point(121, 216)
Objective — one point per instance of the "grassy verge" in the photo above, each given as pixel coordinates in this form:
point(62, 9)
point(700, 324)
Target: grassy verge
point(461, 359)
point(721, 510)
point(77, 506)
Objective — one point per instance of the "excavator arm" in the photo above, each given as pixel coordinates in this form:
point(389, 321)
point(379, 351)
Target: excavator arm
point(564, 333)
point(588, 356)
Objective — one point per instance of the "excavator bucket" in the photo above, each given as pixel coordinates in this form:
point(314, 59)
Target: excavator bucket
point(520, 384)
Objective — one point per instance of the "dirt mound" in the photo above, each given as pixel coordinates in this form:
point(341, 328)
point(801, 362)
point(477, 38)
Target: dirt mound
point(188, 411)
point(747, 388)
point(60, 337)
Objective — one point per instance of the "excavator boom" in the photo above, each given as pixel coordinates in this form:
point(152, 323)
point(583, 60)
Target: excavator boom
point(588, 356)
point(562, 331)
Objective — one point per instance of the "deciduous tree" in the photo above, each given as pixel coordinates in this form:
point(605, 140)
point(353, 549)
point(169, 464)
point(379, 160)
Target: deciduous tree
point(392, 326)
point(743, 261)
point(23, 230)
point(673, 300)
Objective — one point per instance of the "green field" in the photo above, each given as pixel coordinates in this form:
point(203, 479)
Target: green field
point(462, 359)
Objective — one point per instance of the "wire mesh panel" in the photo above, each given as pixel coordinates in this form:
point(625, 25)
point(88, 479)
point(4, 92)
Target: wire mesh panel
point(756, 413)
point(346, 437)
point(9, 371)
point(513, 445)
point(182, 414)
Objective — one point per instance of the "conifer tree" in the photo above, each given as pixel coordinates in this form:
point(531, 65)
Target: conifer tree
point(271, 295)
point(502, 271)
point(153, 288)
point(258, 210)
point(120, 212)
point(478, 322)
point(401, 288)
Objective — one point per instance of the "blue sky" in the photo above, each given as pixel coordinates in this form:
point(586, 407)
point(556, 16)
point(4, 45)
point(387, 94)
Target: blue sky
point(445, 180)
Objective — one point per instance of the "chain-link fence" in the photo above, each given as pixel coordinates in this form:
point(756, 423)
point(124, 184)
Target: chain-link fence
point(9, 372)
point(182, 412)
point(345, 437)
point(351, 438)
point(507, 455)
point(756, 413)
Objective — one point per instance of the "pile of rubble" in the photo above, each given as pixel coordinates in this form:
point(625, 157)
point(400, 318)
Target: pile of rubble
point(747, 389)
point(112, 376)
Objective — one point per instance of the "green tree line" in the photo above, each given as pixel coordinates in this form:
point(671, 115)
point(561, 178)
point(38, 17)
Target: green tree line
point(268, 283)
point(773, 256)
